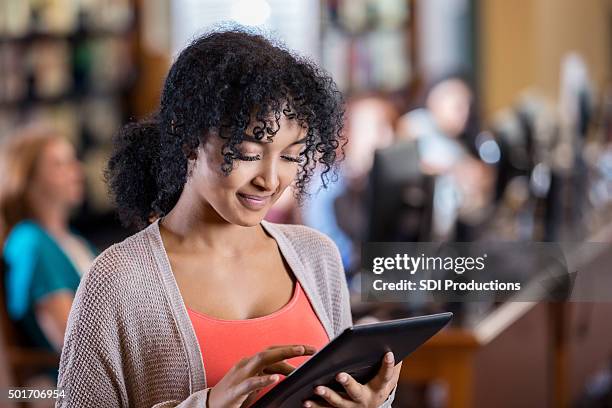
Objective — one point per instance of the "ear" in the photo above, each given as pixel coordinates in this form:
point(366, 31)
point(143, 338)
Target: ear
point(191, 154)
point(191, 165)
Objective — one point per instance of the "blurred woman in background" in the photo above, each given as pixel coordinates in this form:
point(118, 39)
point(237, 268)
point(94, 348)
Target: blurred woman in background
point(41, 181)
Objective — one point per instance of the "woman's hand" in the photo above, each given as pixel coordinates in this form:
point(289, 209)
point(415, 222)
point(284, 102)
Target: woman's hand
point(370, 395)
point(239, 386)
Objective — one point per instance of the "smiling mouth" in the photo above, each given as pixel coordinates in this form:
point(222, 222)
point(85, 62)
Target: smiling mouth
point(253, 202)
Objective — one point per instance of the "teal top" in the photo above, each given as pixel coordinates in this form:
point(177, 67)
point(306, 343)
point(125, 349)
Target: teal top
point(36, 267)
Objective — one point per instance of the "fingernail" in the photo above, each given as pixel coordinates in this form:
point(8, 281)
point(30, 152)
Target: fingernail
point(274, 378)
point(298, 349)
point(320, 390)
point(389, 357)
point(307, 404)
point(342, 377)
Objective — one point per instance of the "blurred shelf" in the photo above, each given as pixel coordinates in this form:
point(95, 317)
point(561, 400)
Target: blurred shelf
point(77, 35)
point(73, 96)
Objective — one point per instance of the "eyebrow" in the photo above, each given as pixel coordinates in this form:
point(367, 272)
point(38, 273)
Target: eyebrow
point(252, 139)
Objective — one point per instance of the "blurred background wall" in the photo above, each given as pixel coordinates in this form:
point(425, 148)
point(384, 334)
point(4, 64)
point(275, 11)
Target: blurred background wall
point(524, 41)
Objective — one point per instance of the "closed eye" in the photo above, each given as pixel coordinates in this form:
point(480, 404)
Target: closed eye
point(244, 157)
point(295, 159)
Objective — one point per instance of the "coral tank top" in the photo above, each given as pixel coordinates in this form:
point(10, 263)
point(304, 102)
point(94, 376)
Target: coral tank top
point(224, 342)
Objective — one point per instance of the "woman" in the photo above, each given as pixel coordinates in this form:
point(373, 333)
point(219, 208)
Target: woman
point(41, 182)
point(204, 305)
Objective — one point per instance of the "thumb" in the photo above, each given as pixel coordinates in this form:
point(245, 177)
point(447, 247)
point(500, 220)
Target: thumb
point(250, 399)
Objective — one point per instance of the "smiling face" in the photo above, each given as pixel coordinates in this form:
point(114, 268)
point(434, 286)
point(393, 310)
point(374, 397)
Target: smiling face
point(260, 175)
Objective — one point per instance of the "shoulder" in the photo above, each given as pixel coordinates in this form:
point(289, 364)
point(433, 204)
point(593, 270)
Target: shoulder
point(419, 114)
point(313, 247)
point(315, 250)
point(120, 281)
point(127, 250)
point(26, 234)
point(121, 263)
point(416, 122)
point(305, 240)
point(25, 242)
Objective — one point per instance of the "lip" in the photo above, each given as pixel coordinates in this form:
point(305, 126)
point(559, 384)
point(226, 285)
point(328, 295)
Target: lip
point(253, 202)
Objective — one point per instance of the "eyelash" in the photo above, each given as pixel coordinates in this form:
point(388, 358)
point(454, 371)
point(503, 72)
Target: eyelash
point(258, 157)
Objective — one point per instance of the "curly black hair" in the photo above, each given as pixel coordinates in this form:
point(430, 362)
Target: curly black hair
point(216, 86)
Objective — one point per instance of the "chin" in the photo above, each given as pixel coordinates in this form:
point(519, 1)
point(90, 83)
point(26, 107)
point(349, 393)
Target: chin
point(244, 218)
point(76, 196)
point(251, 221)
point(75, 201)
point(240, 214)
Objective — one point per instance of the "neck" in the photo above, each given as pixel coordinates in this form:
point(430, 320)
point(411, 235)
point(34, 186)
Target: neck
point(51, 216)
point(195, 225)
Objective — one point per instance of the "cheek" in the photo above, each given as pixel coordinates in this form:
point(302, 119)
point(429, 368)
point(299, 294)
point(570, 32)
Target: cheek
point(210, 180)
point(49, 179)
point(50, 188)
point(288, 174)
point(67, 175)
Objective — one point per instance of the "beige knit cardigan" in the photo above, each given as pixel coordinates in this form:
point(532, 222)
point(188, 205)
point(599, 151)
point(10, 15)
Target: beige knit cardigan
point(129, 340)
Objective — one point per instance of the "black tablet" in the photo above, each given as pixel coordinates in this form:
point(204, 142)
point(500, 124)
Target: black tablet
point(358, 351)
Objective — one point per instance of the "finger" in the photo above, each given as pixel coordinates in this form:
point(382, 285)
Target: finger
point(269, 357)
point(315, 404)
point(332, 397)
point(307, 346)
point(352, 387)
point(312, 404)
point(385, 374)
point(283, 368)
point(256, 383)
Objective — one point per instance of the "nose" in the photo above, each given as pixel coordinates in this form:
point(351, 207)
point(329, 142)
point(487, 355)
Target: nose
point(267, 178)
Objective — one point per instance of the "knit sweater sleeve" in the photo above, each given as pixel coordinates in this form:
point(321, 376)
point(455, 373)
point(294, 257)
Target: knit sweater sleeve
point(96, 369)
point(90, 371)
point(195, 400)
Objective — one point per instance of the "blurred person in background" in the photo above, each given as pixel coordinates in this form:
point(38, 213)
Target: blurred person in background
point(443, 132)
point(41, 182)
